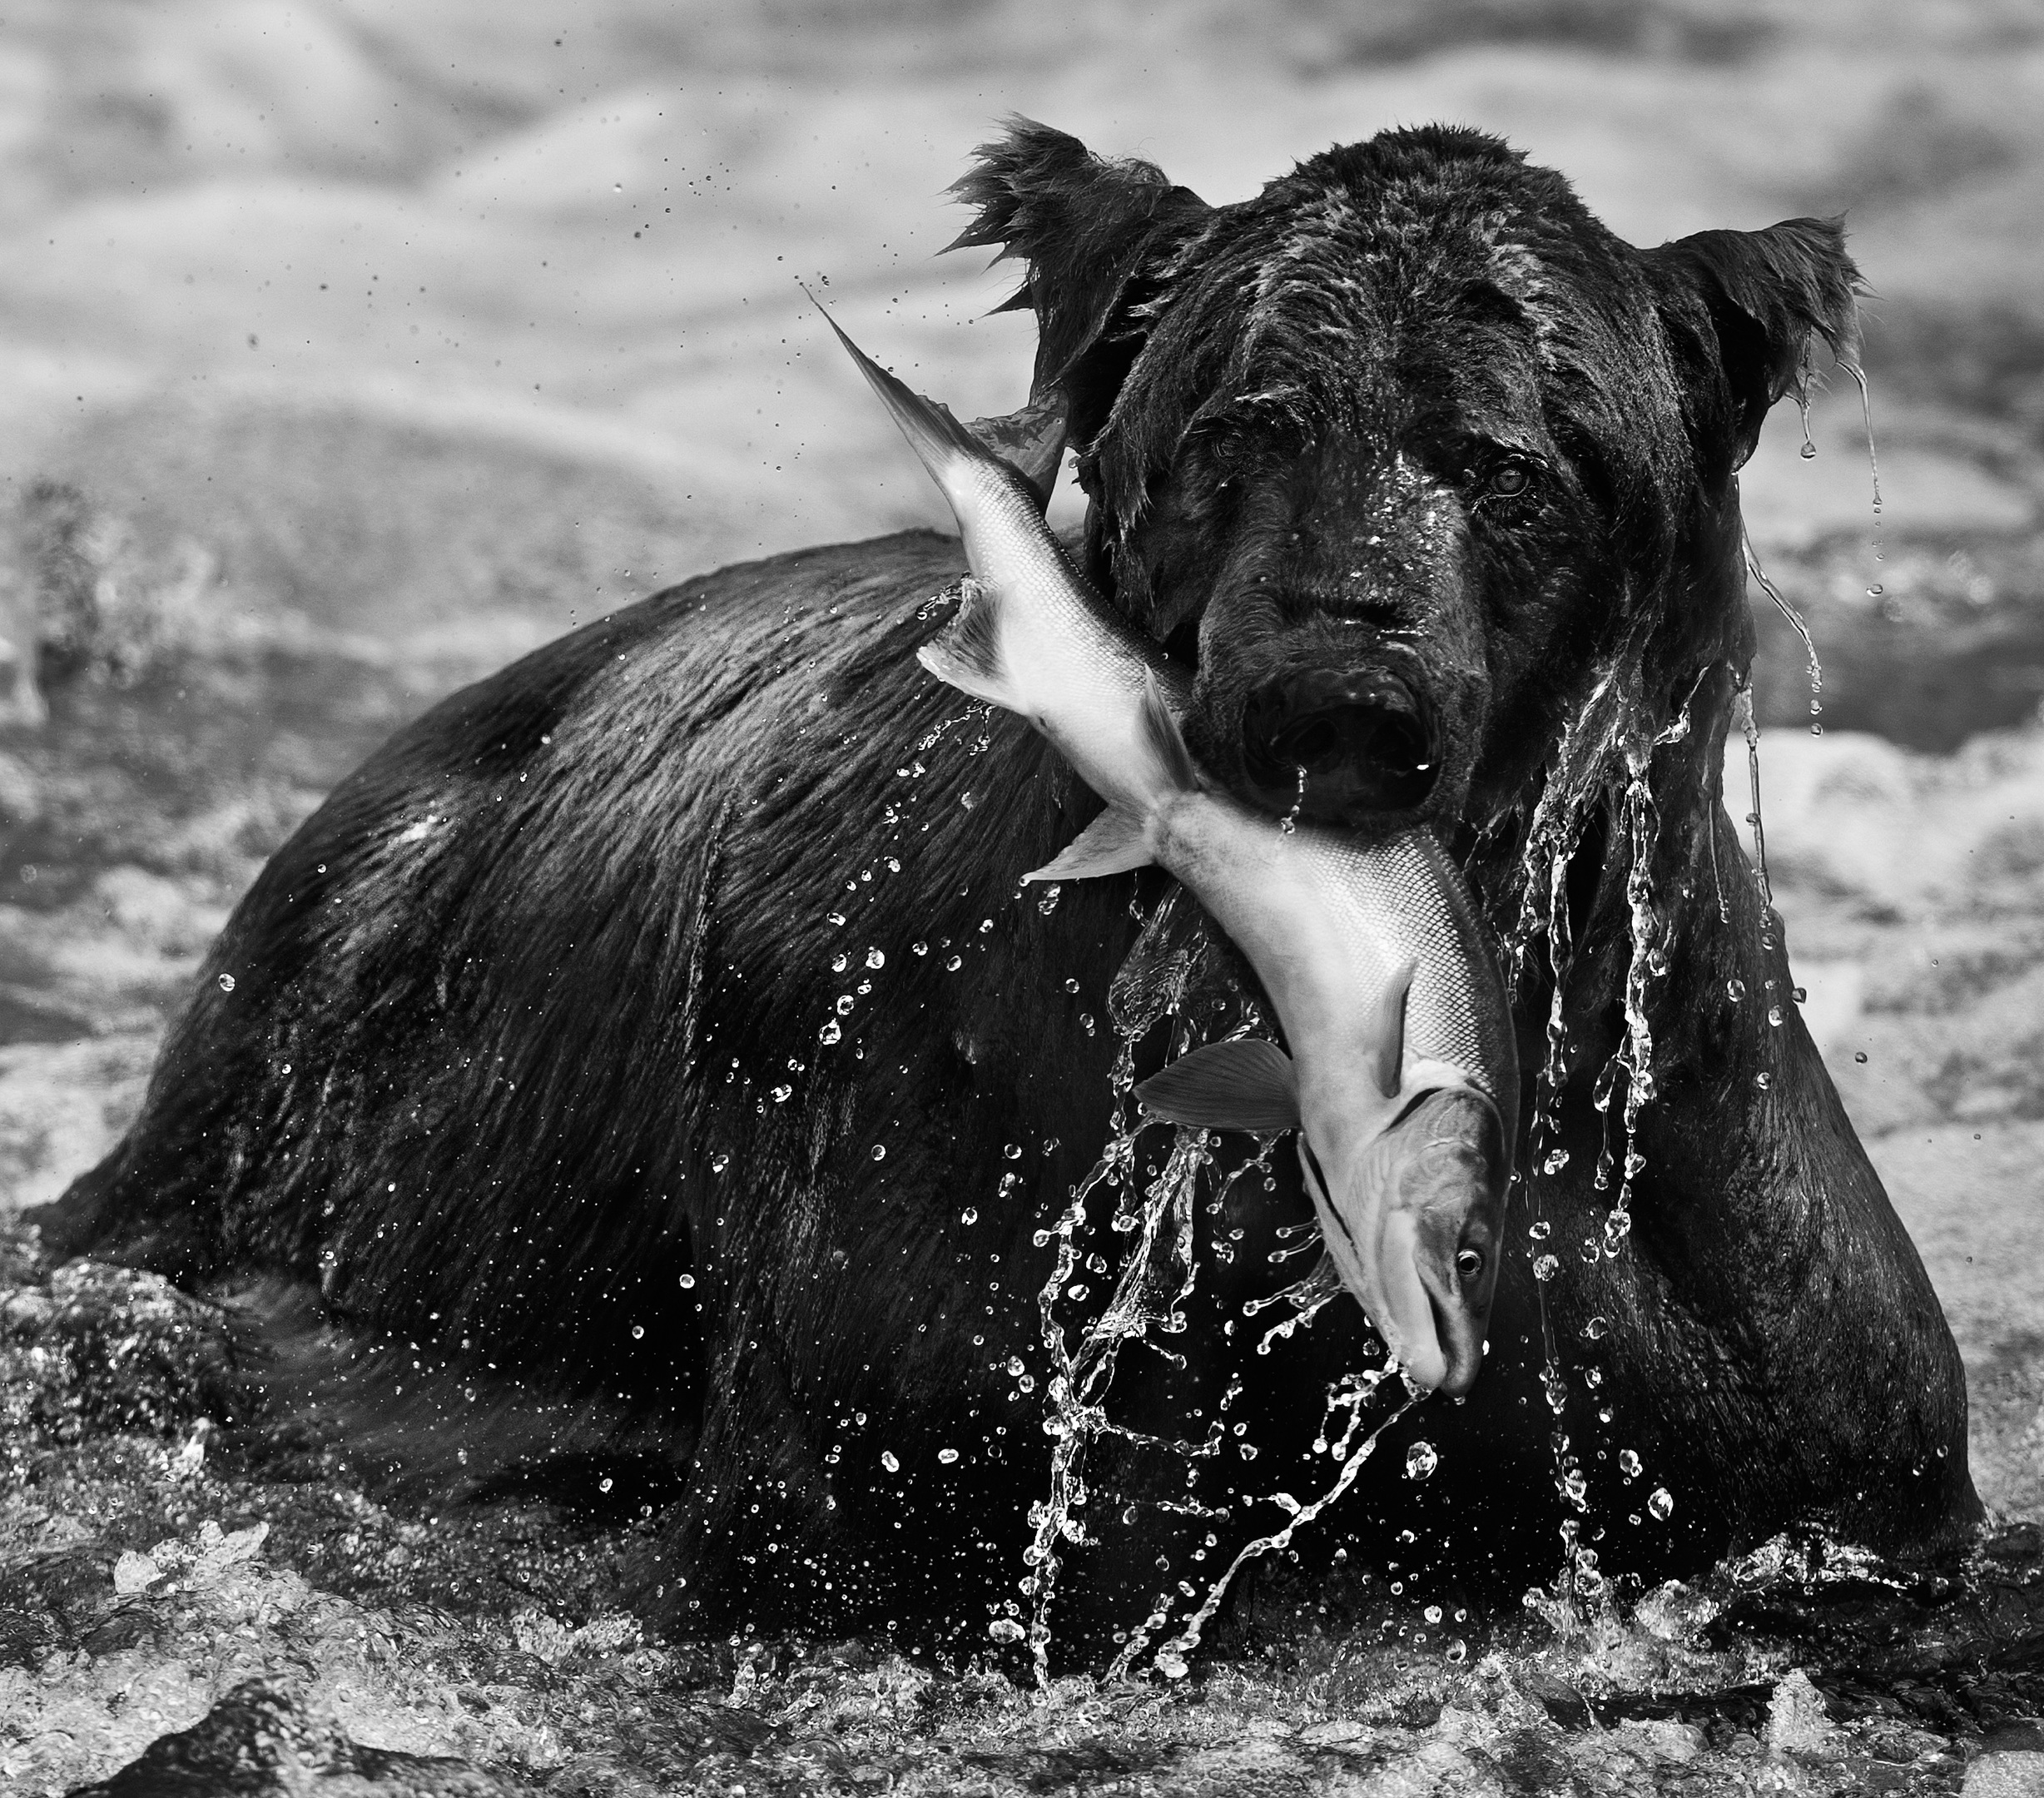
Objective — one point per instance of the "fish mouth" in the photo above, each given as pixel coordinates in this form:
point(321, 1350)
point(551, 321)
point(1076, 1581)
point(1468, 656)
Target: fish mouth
point(1398, 1249)
point(1376, 1255)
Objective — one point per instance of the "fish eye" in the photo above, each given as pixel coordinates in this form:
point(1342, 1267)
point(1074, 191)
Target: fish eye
point(1509, 480)
point(1469, 1264)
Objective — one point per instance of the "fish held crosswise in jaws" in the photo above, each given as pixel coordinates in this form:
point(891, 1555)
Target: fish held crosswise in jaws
point(1402, 1080)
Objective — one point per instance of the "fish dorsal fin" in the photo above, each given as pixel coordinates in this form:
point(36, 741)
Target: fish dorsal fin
point(1161, 732)
point(1111, 844)
point(1246, 1084)
point(1031, 442)
point(1386, 1034)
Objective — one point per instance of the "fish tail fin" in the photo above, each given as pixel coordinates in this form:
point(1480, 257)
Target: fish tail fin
point(966, 653)
point(940, 441)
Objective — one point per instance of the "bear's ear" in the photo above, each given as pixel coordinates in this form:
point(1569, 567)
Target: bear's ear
point(1761, 295)
point(1089, 230)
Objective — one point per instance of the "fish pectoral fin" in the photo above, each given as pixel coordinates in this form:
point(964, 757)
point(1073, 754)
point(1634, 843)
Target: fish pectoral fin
point(1112, 843)
point(1386, 1034)
point(1246, 1084)
point(967, 652)
point(1031, 442)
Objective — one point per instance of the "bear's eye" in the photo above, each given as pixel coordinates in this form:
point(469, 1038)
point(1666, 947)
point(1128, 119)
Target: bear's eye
point(1509, 480)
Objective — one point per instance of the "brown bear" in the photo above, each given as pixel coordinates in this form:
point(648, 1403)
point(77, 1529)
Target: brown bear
point(661, 1019)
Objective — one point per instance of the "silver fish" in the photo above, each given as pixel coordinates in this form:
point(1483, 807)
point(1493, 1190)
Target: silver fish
point(1403, 1078)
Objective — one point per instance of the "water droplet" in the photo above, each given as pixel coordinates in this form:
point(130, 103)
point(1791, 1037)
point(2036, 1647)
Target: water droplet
point(1798, 994)
point(844, 1003)
point(604, 1484)
point(880, 1151)
point(781, 1093)
point(1557, 1159)
point(1005, 1630)
point(1014, 1365)
point(1433, 1613)
point(688, 1282)
point(1172, 1666)
point(840, 963)
point(1774, 1016)
point(1628, 1462)
point(1859, 1055)
point(638, 1332)
point(227, 983)
point(874, 959)
point(1575, 1487)
point(829, 1033)
point(833, 917)
point(1048, 902)
point(969, 1216)
point(1807, 451)
point(1735, 990)
point(947, 1456)
point(1764, 1080)
point(954, 965)
point(1539, 1230)
point(1597, 1328)
point(1457, 1651)
point(888, 1461)
point(1546, 1267)
point(1661, 1503)
point(718, 1163)
point(1013, 1151)
point(1421, 1458)
point(918, 948)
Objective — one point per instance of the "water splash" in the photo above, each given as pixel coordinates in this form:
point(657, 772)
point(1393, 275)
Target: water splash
point(1158, 1274)
point(1172, 1655)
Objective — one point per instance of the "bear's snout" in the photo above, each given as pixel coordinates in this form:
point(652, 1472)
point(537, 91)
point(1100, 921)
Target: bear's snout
point(1339, 746)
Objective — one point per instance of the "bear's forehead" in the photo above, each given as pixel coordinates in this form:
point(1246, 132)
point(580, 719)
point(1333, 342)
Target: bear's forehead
point(1355, 286)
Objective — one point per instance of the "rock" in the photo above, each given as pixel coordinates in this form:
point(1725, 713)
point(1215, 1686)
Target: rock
point(2018, 1775)
point(104, 1348)
point(259, 1742)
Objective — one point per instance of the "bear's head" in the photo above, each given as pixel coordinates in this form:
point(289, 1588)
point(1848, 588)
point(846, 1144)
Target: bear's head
point(1399, 448)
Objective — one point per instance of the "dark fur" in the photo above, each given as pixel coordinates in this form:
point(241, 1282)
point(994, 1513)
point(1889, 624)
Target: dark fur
point(535, 1048)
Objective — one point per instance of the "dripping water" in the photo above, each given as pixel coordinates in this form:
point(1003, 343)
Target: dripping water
point(1290, 822)
point(1812, 666)
point(1742, 716)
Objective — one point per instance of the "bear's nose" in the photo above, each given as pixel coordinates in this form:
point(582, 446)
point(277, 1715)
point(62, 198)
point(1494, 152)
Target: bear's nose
point(1365, 741)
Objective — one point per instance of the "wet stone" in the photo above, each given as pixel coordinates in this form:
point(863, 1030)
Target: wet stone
point(260, 1742)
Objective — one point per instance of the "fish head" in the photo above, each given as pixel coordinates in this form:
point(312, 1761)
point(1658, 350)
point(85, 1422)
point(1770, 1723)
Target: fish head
point(1414, 1218)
